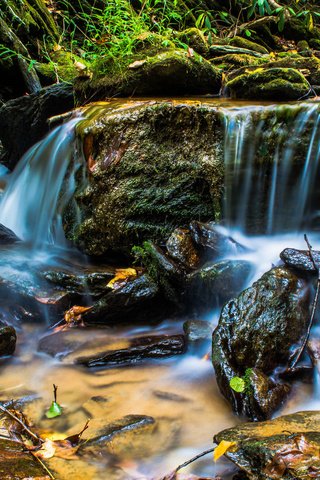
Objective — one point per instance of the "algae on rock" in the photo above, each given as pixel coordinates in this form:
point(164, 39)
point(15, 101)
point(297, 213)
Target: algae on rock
point(154, 166)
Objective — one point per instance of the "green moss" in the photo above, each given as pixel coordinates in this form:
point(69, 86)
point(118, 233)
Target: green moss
point(194, 38)
point(269, 84)
point(245, 43)
point(169, 72)
point(233, 60)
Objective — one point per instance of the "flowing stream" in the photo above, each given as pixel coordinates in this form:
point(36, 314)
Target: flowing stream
point(271, 199)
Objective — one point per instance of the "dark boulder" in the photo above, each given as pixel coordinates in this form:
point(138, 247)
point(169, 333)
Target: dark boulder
point(258, 330)
point(284, 448)
point(23, 121)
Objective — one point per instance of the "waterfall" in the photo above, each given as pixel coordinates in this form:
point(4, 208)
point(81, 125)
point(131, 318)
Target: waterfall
point(271, 168)
point(40, 187)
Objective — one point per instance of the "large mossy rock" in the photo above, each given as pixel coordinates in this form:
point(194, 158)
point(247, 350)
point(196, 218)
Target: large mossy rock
point(285, 448)
point(154, 166)
point(270, 84)
point(171, 72)
point(255, 335)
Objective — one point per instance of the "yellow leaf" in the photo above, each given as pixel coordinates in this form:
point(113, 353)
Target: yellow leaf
point(122, 274)
point(74, 313)
point(56, 47)
point(310, 22)
point(223, 447)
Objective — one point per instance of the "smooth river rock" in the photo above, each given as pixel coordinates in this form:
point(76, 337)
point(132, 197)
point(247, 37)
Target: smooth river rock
point(255, 336)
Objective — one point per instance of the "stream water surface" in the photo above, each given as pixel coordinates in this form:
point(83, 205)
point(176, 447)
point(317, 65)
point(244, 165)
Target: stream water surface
point(180, 392)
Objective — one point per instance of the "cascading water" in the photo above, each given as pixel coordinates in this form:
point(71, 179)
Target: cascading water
point(272, 164)
point(39, 188)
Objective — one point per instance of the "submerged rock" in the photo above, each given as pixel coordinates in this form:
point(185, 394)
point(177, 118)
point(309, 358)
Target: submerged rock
point(215, 283)
point(269, 84)
point(95, 348)
point(135, 350)
point(257, 330)
point(154, 166)
point(124, 428)
point(300, 259)
point(284, 448)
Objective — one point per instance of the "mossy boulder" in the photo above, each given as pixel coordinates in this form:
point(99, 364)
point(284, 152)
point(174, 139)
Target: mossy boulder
point(62, 67)
point(286, 447)
point(248, 44)
point(172, 72)
point(269, 84)
point(195, 39)
point(257, 331)
point(154, 166)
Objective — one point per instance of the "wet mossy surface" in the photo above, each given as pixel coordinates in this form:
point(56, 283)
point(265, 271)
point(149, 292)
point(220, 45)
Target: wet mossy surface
point(170, 72)
point(271, 84)
point(257, 331)
point(156, 166)
point(286, 447)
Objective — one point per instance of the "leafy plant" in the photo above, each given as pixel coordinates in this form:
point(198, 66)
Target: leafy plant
point(242, 384)
point(55, 409)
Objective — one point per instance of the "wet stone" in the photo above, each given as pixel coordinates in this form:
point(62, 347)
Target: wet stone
point(197, 330)
point(181, 248)
point(284, 448)
point(215, 283)
point(105, 434)
point(136, 300)
point(212, 238)
point(300, 259)
point(258, 330)
point(91, 281)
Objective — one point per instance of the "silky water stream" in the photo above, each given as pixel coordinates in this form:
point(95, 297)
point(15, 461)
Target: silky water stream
point(271, 195)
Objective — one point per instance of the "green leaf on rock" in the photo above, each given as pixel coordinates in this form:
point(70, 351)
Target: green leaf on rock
point(54, 411)
point(237, 384)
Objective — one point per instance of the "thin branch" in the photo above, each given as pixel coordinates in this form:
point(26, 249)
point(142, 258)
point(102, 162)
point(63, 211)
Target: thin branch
point(35, 437)
point(314, 307)
point(43, 466)
point(171, 475)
